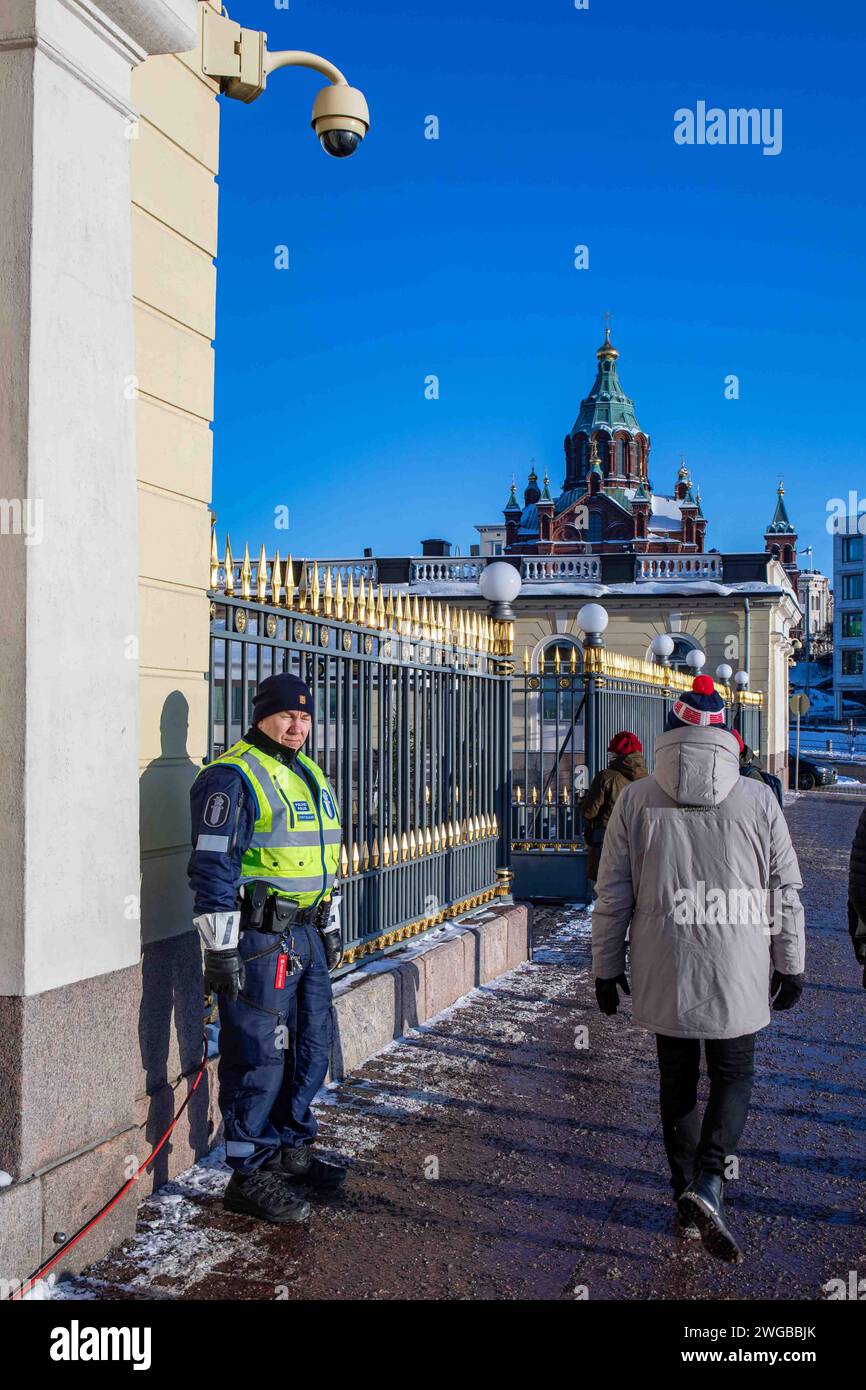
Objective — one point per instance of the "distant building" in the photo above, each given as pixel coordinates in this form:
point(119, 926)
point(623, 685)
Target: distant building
point(607, 504)
point(816, 600)
point(492, 541)
point(849, 687)
point(780, 538)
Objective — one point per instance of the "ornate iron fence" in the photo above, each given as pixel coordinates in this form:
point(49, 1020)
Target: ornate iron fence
point(412, 725)
point(565, 714)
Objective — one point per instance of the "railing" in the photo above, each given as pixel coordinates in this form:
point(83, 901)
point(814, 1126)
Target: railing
point(679, 567)
point(565, 715)
point(550, 569)
point(411, 724)
point(251, 575)
point(446, 570)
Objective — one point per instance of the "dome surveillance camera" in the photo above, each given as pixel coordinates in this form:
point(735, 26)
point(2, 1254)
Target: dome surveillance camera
point(340, 119)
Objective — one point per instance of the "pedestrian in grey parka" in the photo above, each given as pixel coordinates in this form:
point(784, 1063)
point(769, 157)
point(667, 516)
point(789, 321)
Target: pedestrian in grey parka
point(698, 875)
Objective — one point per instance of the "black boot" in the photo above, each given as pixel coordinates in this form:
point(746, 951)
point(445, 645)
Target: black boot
point(703, 1202)
point(686, 1226)
point(265, 1195)
point(301, 1166)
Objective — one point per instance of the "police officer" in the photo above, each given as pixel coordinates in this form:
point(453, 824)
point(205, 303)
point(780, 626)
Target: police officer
point(266, 848)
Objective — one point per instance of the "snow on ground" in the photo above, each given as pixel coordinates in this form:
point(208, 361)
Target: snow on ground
point(175, 1239)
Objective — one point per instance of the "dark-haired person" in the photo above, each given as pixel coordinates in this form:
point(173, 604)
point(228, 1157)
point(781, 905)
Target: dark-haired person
point(699, 875)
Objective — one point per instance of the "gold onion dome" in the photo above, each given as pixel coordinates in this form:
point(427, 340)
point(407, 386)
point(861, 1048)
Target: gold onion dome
point(607, 349)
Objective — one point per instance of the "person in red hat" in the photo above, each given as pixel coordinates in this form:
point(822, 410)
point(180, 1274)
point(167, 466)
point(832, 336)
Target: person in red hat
point(626, 765)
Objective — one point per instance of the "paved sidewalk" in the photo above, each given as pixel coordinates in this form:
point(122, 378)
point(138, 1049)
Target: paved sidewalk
point(493, 1159)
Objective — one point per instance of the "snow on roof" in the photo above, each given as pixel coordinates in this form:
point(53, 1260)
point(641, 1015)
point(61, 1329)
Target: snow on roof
point(690, 587)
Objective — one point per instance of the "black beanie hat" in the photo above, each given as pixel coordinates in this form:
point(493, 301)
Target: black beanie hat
point(702, 705)
point(279, 693)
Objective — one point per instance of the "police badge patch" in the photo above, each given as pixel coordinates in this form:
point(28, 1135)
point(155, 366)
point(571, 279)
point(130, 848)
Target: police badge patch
point(328, 805)
point(216, 811)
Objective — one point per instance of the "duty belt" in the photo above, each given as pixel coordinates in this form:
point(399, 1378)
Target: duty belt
point(274, 914)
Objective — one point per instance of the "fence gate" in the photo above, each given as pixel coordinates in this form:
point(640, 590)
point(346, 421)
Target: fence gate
point(411, 724)
point(565, 714)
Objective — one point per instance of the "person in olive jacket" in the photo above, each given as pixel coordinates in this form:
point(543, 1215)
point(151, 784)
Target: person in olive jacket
point(626, 765)
point(857, 894)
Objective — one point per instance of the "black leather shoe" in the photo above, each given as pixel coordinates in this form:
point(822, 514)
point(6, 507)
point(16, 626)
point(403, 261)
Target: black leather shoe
point(703, 1202)
point(265, 1195)
point(301, 1166)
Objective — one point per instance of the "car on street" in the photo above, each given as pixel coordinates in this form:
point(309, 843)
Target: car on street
point(813, 774)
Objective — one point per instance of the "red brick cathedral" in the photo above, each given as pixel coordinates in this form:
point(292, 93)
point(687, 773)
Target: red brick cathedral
point(607, 504)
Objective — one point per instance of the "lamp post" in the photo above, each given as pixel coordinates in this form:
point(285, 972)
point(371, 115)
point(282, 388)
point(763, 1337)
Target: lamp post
point(696, 660)
point(662, 648)
point(500, 584)
point(807, 550)
point(592, 620)
point(741, 681)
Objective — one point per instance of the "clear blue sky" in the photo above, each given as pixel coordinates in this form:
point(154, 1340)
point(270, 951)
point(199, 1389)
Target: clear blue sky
point(455, 257)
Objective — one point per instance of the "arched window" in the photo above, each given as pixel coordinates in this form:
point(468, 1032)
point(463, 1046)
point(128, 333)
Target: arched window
point(594, 532)
point(622, 455)
point(603, 446)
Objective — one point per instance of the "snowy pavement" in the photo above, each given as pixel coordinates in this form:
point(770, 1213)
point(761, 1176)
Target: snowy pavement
point(510, 1149)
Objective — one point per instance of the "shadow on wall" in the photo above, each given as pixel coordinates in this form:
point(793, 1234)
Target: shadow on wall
point(172, 1004)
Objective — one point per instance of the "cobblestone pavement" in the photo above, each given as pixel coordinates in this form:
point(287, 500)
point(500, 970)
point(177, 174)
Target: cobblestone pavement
point(492, 1158)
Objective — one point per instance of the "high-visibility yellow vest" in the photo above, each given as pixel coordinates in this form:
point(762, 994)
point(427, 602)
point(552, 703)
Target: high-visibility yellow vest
point(295, 847)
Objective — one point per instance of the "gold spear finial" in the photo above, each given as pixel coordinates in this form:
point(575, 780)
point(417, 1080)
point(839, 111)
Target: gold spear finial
point(276, 580)
point(328, 593)
point(230, 568)
point(350, 598)
point(214, 559)
point(289, 581)
point(246, 575)
point(262, 576)
point(362, 602)
point(338, 597)
point(314, 590)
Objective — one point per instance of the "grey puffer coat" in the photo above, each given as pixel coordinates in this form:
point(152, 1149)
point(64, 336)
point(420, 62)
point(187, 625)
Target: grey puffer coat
point(699, 873)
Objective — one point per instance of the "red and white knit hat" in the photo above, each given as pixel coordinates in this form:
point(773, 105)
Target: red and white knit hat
point(699, 706)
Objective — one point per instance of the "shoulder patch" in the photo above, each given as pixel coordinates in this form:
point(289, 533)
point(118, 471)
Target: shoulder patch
point(216, 811)
point(328, 804)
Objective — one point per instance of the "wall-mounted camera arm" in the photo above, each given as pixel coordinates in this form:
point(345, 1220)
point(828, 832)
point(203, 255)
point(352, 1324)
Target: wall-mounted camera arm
point(239, 59)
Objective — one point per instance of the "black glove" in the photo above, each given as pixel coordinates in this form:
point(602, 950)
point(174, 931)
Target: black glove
point(785, 990)
point(224, 972)
point(332, 937)
point(607, 994)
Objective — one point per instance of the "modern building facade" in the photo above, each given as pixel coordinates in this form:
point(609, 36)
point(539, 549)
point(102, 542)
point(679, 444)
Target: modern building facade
point(849, 575)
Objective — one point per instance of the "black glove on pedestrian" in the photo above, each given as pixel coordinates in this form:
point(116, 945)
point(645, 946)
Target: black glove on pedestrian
point(224, 972)
point(785, 990)
point(607, 994)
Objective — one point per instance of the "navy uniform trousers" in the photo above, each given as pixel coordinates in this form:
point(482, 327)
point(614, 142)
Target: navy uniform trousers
point(275, 1044)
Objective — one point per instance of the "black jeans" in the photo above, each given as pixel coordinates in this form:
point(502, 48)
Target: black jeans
point(693, 1142)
